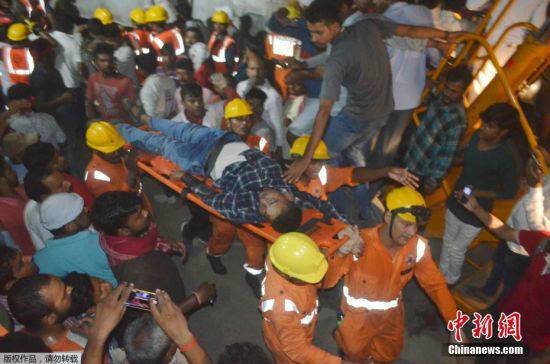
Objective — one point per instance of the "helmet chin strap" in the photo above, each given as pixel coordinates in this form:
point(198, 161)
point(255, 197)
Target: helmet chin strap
point(391, 224)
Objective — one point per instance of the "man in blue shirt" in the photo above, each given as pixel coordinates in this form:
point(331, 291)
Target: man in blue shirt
point(73, 248)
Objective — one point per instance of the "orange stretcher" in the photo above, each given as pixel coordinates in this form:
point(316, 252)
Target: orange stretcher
point(322, 230)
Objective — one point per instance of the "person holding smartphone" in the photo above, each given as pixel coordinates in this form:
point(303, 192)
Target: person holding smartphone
point(490, 172)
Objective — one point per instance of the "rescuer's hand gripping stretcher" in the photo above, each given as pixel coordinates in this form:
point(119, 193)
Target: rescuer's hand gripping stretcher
point(232, 181)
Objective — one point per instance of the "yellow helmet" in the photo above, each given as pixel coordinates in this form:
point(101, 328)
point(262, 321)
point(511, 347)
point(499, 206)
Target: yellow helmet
point(103, 137)
point(18, 32)
point(293, 12)
point(406, 198)
point(220, 16)
point(137, 15)
point(297, 255)
point(103, 15)
point(237, 108)
point(300, 144)
point(156, 13)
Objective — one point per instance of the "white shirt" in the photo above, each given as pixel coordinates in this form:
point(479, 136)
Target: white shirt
point(125, 62)
point(68, 57)
point(408, 67)
point(532, 11)
point(531, 212)
point(38, 122)
point(212, 119)
point(157, 96)
point(230, 154)
point(38, 233)
point(273, 108)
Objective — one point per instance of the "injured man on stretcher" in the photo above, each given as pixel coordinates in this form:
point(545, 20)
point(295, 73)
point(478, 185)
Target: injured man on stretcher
point(252, 184)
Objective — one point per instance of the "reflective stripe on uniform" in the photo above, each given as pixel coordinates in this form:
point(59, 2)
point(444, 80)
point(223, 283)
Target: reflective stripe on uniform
point(252, 271)
point(181, 46)
point(420, 249)
point(290, 306)
point(323, 176)
point(100, 176)
point(21, 71)
point(262, 144)
point(369, 305)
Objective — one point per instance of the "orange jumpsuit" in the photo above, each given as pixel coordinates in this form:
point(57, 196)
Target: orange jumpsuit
point(140, 40)
point(289, 318)
point(372, 302)
point(223, 231)
point(219, 51)
point(330, 179)
point(170, 36)
point(102, 176)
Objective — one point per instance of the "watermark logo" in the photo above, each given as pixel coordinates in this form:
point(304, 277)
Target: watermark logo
point(507, 326)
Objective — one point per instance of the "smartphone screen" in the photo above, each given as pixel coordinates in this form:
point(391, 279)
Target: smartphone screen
point(140, 299)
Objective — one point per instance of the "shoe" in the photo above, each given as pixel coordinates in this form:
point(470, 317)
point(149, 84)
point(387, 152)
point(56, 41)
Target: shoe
point(216, 264)
point(253, 282)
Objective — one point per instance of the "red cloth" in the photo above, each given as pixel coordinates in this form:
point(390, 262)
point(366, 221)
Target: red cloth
point(121, 248)
point(531, 296)
point(79, 187)
point(12, 216)
point(109, 94)
point(202, 75)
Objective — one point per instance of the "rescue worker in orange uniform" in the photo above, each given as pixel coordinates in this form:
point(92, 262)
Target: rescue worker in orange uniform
point(238, 114)
point(161, 34)
point(289, 303)
point(16, 55)
point(112, 168)
point(320, 179)
point(223, 48)
point(139, 36)
point(373, 323)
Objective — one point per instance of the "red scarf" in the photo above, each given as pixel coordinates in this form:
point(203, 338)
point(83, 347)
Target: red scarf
point(122, 248)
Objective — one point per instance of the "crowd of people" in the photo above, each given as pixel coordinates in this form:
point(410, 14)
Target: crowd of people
point(83, 265)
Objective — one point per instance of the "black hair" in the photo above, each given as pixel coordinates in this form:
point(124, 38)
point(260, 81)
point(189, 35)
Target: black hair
point(40, 45)
point(185, 64)
point(26, 302)
point(168, 50)
point(503, 115)
point(147, 62)
point(103, 48)
point(63, 21)
point(289, 220)
point(19, 91)
point(256, 94)
point(184, 9)
point(196, 31)
point(111, 31)
point(82, 295)
point(327, 12)
point(243, 353)
point(6, 269)
point(38, 156)
point(145, 342)
point(460, 74)
point(111, 210)
point(34, 186)
point(22, 342)
point(191, 90)
point(95, 27)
